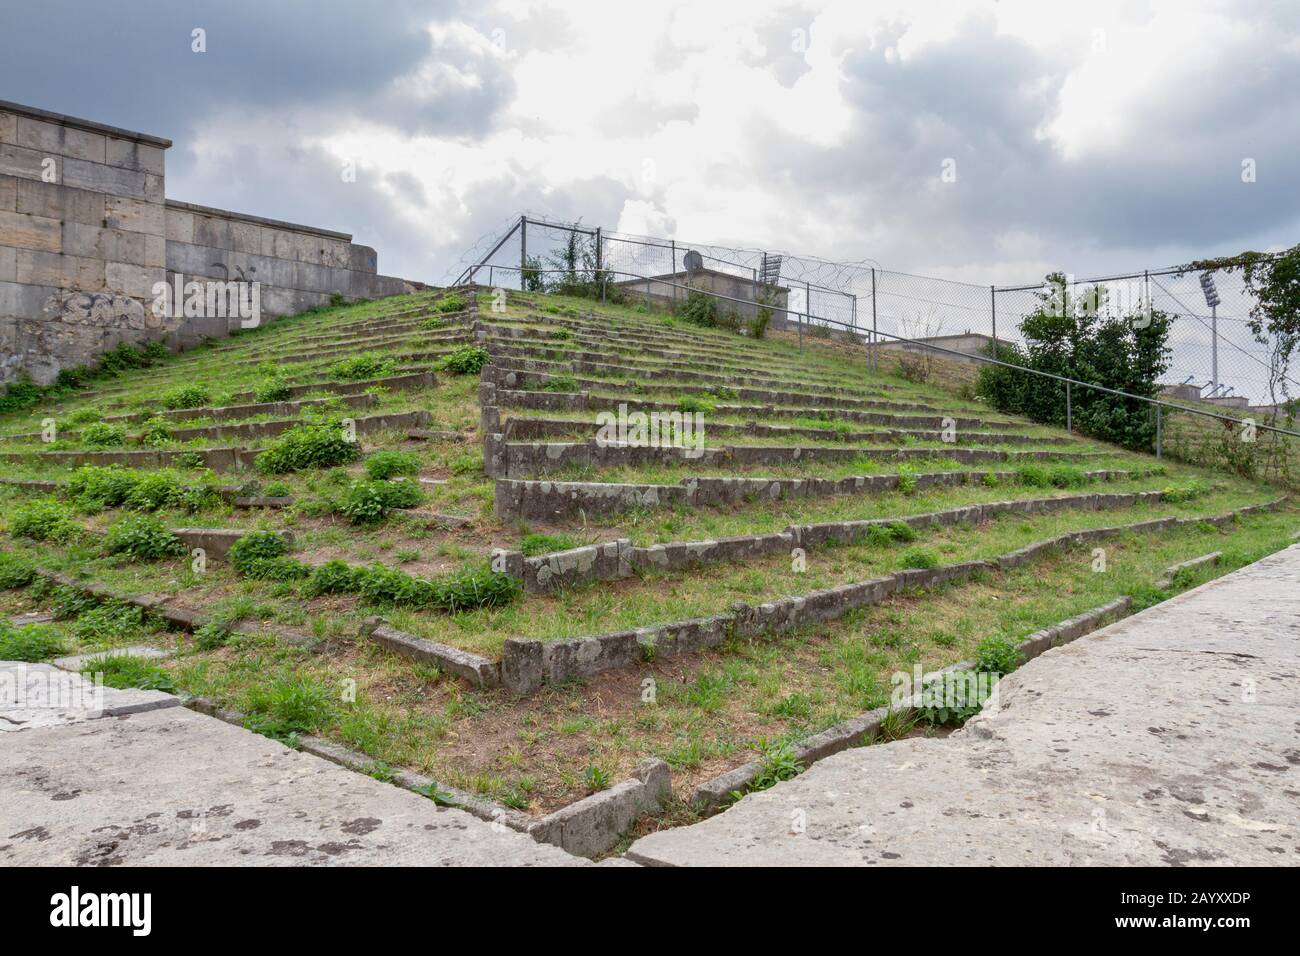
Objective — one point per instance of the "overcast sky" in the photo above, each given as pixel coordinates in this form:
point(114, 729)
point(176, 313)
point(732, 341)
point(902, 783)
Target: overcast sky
point(1085, 137)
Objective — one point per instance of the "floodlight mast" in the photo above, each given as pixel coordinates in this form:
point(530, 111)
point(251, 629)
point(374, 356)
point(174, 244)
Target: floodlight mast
point(1212, 300)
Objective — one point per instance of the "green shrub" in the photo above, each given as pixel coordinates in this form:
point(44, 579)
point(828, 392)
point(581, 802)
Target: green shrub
point(452, 303)
point(107, 622)
point(432, 324)
point(272, 390)
point(45, 519)
point(262, 555)
point(996, 655)
point(16, 571)
point(377, 583)
point(466, 360)
point(1077, 336)
point(155, 490)
point(156, 431)
point(920, 558)
point(1187, 491)
point(390, 463)
point(369, 501)
point(902, 531)
point(906, 479)
point(366, 365)
point(694, 403)
point(142, 538)
point(127, 670)
point(187, 396)
point(314, 445)
point(103, 435)
point(561, 383)
point(333, 577)
point(277, 489)
point(212, 635)
point(1067, 476)
point(535, 544)
point(34, 642)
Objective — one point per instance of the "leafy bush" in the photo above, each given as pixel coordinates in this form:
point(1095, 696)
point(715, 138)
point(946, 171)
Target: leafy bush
point(261, 555)
point(212, 635)
point(45, 519)
point(156, 431)
point(277, 489)
point(333, 577)
point(110, 621)
point(103, 435)
point(694, 403)
point(920, 558)
point(187, 396)
point(366, 365)
point(996, 655)
point(155, 490)
point(1074, 336)
point(272, 390)
point(452, 303)
point(314, 445)
point(561, 383)
point(433, 323)
point(390, 463)
point(1187, 491)
point(466, 360)
point(142, 538)
point(127, 670)
point(535, 544)
point(465, 590)
point(369, 501)
point(34, 642)
point(16, 571)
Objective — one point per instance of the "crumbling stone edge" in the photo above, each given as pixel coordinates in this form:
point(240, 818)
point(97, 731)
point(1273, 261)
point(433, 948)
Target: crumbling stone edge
point(528, 663)
point(712, 795)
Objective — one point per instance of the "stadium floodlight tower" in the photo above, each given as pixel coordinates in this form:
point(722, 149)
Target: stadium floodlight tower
point(1212, 300)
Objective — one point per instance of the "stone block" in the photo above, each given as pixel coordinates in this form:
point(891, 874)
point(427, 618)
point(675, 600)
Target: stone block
point(8, 193)
point(56, 140)
point(26, 163)
point(24, 231)
point(129, 154)
point(112, 245)
point(58, 202)
point(245, 237)
point(521, 666)
point(8, 264)
point(132, 280)
point(213, 232)
point(135, 215)
point(8, 127)
point(107, 179)
point(65, 272)
point(479, 671)
point(179, 225)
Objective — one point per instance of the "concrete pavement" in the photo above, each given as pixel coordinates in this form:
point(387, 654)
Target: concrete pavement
point(1169, 738)
point(160, 784)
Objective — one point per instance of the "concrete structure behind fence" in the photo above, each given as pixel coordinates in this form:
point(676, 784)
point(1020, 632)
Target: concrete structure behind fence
point(86, 231)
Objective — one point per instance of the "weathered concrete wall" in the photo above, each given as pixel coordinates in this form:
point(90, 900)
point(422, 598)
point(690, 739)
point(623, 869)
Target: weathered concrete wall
point(86, 233)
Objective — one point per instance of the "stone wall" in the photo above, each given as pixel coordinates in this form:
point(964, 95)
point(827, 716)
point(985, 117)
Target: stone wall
point(86, 232)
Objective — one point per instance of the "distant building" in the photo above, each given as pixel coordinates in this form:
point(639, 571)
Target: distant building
point(663, 291)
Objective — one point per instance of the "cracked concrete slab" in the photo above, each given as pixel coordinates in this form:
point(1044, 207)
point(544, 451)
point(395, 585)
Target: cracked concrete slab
point(178, 788)
point(40, 695)
point(1169, 738)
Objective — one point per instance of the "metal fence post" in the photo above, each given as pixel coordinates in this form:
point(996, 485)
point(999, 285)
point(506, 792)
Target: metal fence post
point(1069, 411)
point(993, 311)
point(673, 272)
point(875, 350)
point(1159, 429)
point(523, 249)
point(599, 249)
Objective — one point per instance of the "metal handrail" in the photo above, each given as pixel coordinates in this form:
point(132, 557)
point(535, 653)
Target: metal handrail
point(1158, 403)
